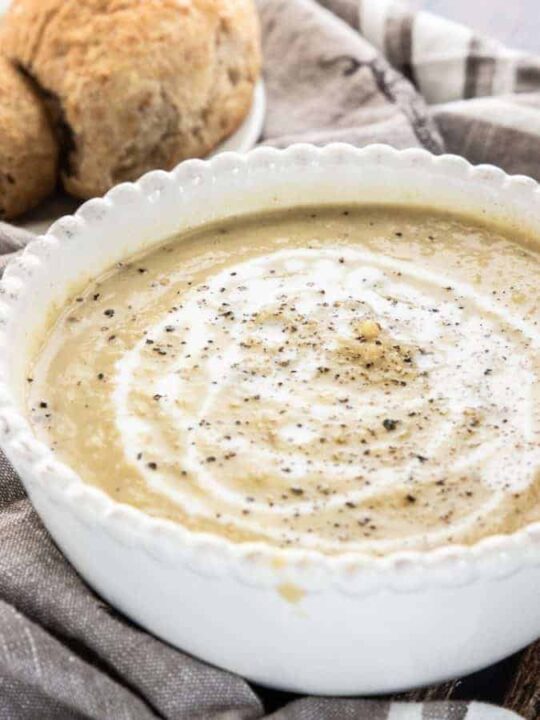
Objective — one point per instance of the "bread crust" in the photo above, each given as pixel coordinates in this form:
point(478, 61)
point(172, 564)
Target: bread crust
point(136, 85)
point(28, 149)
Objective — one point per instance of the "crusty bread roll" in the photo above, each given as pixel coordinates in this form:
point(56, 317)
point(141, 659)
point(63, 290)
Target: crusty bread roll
point(135, 85)
point(28, 150)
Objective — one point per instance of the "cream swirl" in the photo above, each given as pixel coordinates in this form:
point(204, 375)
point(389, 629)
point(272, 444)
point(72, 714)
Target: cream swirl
point(334, 398)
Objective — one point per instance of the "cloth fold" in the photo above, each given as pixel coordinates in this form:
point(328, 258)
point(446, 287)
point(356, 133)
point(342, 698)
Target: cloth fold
point(345, 70)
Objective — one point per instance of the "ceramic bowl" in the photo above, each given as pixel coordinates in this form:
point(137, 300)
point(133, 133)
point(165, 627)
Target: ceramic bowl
point(290, 619)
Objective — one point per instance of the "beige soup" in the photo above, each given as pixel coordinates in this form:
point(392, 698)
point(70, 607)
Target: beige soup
point(360, 378)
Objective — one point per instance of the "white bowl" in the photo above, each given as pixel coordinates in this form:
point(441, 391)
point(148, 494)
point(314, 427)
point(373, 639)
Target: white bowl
point(359, 624)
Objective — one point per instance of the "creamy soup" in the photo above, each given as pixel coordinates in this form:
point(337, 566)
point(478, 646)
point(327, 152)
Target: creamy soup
point(360, 378)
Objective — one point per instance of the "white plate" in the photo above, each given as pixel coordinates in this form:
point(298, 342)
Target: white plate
point(249, 132)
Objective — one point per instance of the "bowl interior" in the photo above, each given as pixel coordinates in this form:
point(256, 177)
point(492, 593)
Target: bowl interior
point(133, 217)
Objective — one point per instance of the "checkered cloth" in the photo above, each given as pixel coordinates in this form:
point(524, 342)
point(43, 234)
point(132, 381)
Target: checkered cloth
point(345, 70)
point(484, 96)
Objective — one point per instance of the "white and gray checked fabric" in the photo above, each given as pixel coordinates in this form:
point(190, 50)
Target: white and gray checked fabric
point(484, 96)
point(345, 70)
point(445, 60)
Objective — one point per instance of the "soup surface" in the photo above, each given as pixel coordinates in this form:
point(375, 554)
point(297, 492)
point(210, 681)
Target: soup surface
point(359, 378)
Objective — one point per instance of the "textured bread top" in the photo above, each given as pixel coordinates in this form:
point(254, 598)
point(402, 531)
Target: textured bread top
point(28, 150)
point(132, 85)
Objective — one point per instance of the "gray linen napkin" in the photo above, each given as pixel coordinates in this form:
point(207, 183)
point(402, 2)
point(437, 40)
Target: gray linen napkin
point(335, 70)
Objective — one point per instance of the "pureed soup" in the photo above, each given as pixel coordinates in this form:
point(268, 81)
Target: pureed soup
point(348, 378)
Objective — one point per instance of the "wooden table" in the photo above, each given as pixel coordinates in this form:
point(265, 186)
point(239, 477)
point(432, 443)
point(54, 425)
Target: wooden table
point(514, 683)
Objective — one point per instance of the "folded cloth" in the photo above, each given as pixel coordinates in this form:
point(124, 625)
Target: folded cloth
point(335, 70)
point(484, 96)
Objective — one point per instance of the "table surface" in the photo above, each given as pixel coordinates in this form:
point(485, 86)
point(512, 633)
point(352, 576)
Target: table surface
point(514, 683)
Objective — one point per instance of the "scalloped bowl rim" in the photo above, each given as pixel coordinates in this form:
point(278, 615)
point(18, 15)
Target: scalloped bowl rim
point(172, 539)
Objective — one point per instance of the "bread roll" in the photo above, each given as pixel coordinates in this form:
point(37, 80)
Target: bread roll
point(134, 85)
point(28, 150)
